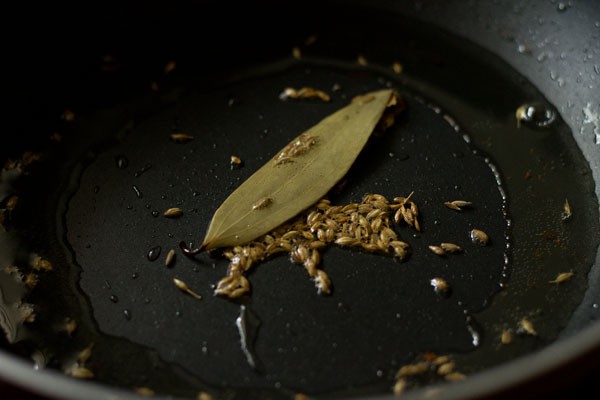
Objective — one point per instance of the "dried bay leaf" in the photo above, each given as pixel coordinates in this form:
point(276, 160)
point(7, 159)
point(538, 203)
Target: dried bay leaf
point(298, 175)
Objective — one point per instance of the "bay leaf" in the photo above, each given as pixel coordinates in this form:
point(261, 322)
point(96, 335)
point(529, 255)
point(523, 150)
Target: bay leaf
point(298, 175)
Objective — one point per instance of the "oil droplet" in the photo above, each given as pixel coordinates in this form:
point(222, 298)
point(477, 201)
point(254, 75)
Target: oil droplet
point(154, 253)
point(122, 162)
point(113, 298)
point(127, 314)
point(155, 213)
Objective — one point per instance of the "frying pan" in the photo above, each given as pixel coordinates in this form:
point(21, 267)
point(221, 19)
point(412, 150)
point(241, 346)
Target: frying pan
point(88, 206)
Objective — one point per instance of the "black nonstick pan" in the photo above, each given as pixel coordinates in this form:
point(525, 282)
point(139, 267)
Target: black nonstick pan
point(502, 110)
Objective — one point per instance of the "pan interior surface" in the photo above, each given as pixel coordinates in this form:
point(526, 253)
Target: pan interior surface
point(93, 206)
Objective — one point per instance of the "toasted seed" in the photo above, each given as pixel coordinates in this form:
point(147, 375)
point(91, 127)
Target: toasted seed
point(457, 204)
point(170, 258)
point(506, 336)
point(437, 250)
point(562, 277)
point(451, 247)
point(527, 327)
point(446, 368)
point(235, 161)
point(181, 137)
point(322, 282)
point(317, 244)
point(479, 237)
point(296, 53)
point(290, 234)
point(173, 212)
point(262, 203)
point(203, 396)
point(397, 67)
point(346, 241)
point(170, 67)
point(440, 286)
point(566, 210)
point(412, 369)
point(440, 360)
point(31, 280)
point(184, 288)
point(81, 373)
point(361, 60)
point(399, 386)
point(85, 354)
point(455, 376)
point(521, 114)
point(144, 391)
point(42, 265)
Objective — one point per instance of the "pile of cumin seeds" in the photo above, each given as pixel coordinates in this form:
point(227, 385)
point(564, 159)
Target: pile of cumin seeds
point(366, 226)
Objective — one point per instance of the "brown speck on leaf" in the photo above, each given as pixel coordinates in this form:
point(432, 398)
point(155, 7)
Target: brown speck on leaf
point(397, 67)
point(562, 277)
point(304, 93)
point(181, 137)
point(174, 212)
point(361, 60)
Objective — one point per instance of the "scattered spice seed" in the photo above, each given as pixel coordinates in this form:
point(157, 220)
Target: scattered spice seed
point(41, 264)
point(170, 258)
point(70, 326)
point(144, 391)
point(458, 205)
point(397, 67)
point(412, 369)
point(455, 376)
point(479, 237)
point(181, 137)
point(68, 115)
point(235, 161)
point(399, 387)
point(296, 53)
point(204, 396)
point(440, 286)
point(526, 326)
point(562, 277)
point(566, 211)
point(85, 354)
point(184, 288)
point(304, 93)
point(80, 373)
point(170, 67)
point(446, 368)
point(262, 203)
point(451, 247)
point(173, 212)
point(506, 336)
point(437, 250)
point(361, 60)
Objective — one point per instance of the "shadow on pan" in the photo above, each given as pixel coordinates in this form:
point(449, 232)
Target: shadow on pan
point(100, 117)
